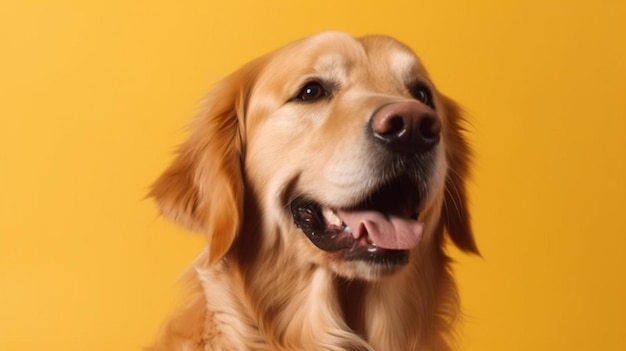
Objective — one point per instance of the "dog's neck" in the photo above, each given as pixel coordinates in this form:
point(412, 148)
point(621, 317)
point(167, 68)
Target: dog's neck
point(248, 295)
point(263, 296)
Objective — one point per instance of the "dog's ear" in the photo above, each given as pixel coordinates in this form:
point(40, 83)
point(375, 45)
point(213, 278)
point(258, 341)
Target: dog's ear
point(455, 214)
point(203, 187)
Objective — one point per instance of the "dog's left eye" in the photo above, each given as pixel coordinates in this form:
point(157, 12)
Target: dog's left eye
point(312, 91)
point(423, 94)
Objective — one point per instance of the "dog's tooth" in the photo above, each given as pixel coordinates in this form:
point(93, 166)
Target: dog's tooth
point(331, 217)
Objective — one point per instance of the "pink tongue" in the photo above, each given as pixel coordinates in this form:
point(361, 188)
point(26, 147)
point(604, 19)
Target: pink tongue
point(393, 233)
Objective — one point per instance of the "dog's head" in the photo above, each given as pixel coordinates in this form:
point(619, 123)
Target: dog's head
point(348, 151)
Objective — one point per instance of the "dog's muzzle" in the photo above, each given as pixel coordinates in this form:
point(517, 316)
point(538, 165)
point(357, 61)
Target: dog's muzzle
point(384, 226)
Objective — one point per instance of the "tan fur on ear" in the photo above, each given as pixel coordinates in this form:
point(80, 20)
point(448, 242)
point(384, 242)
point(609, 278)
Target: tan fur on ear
point(458, 154)
point(203, 187)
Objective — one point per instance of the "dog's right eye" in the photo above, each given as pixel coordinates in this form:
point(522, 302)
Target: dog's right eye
point(311, 92)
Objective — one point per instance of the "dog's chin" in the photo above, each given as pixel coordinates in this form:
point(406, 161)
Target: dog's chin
point(361, 269)
point(370, 239)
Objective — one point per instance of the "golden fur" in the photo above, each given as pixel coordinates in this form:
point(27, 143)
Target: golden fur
point(261, 284)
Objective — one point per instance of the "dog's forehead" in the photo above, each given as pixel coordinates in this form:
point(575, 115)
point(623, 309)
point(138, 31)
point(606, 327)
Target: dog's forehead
point(338, 53)
point(341, 57)
point(385, 53)
point(376, 63)
point(401, 62)
point(332, 64)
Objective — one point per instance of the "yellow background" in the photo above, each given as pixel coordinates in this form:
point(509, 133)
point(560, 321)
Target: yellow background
point(94, 96)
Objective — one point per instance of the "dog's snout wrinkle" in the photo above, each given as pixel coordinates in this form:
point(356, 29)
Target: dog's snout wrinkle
point(406, 127)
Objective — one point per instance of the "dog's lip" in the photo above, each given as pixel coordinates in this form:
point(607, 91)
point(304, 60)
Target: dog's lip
point(386, 220)
point(329, 234)
point(336, 236)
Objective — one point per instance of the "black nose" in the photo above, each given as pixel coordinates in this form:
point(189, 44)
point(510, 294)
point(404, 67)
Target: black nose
point(406, 127)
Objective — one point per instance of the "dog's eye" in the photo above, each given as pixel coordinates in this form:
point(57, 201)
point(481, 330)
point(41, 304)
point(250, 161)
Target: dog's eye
point(423, 94)
point(312, 91)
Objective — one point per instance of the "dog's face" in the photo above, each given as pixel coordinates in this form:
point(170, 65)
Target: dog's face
point(352, 156)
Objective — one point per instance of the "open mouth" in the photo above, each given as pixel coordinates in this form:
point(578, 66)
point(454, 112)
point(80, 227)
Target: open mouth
point(382, 228)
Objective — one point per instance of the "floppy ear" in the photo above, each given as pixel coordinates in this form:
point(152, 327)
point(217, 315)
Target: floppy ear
point(203, 187)
point(455, 212)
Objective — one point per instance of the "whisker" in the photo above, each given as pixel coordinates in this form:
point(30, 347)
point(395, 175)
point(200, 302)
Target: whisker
point(455, 196)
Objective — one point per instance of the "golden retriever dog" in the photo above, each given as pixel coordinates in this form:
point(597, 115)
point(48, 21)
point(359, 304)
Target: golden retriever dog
point(326, 177)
